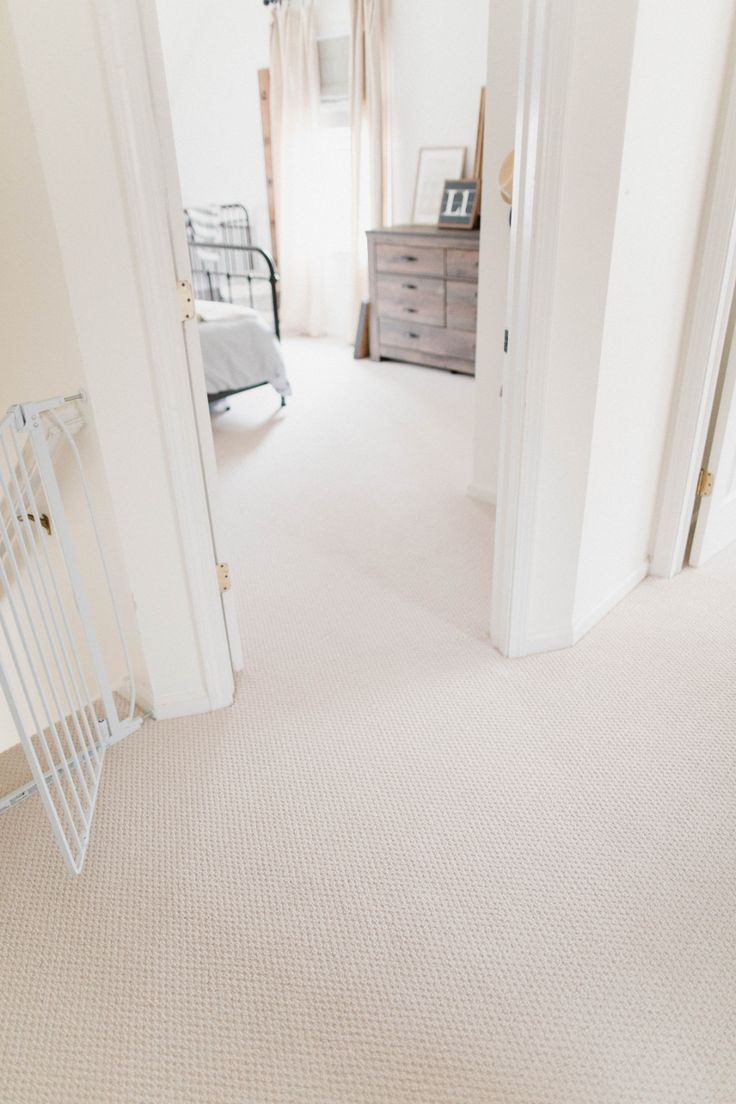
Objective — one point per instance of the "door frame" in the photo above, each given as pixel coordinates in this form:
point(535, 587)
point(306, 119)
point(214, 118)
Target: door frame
point(544, 67)
point(180, 251)
point(131, 59)
point(141, 121)
point(543, 81)
point(701, 349)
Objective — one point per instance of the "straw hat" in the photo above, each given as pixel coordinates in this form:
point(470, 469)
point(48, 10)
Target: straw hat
point(506, 177)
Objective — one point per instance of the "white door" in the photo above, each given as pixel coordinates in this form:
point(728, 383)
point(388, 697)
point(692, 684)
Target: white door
point(715, 522)
point(177, 234)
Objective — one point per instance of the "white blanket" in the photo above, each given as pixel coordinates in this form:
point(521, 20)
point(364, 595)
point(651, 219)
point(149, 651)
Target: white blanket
point(238, 349)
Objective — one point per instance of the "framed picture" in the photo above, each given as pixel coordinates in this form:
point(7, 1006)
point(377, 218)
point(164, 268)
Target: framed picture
point(436, 165)
point(460, 204)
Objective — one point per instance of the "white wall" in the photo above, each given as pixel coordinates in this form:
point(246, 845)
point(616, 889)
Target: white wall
point(504, 43)
point(629, 151)
point(673, 103)
point(96, 329)
point(438, 53)
point(592, 138)
point(212, 54)
point(41, 354)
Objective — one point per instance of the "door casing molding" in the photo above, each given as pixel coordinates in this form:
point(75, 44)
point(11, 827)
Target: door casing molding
point(125, 63)
point(704, 333)
point(543, 86)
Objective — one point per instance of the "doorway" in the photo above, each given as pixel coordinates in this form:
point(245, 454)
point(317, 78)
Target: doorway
point(413, 460)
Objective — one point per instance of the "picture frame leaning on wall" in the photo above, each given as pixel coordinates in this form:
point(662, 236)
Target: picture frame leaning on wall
point(460, 207)
point(435, 165)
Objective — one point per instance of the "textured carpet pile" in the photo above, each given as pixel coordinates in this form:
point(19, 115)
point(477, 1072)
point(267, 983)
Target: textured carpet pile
point(400, 868)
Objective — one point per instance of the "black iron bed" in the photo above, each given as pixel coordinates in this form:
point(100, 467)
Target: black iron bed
point(228, 268)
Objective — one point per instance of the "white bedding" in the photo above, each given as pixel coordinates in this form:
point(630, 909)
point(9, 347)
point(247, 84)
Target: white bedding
point(238, 349)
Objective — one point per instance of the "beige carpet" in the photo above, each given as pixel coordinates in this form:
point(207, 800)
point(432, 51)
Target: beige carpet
point(400, 869)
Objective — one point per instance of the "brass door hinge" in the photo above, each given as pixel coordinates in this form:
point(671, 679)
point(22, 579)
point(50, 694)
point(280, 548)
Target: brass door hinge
point(705, 484)
point(43, 520)
point(186, 300)
point(223, 577)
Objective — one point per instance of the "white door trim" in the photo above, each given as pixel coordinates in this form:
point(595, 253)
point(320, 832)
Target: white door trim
point(703, 339)
point(143, 175)
point(180, 249)
point(547, 33)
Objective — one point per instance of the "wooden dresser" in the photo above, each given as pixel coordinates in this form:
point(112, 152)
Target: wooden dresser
point(424, 296)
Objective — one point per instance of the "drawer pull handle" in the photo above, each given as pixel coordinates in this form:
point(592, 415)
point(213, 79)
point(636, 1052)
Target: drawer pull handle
point(410, 310)
point(408, 257)
point(412, 334)
point(410, 287)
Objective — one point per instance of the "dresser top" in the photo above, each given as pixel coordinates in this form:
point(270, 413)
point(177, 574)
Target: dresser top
point(431, 233)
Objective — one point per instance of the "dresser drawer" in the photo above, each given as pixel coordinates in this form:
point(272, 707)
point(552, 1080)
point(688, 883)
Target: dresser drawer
point(420, 260)
point(462, 264)
point(416, 299)
point(423, 297)
point(427, 339)
point(462, 305)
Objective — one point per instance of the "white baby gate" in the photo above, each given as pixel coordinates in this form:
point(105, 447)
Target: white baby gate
point(52, 669)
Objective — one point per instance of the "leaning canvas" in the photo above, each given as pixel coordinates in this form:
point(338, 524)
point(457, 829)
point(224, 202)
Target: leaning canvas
point(434, 167)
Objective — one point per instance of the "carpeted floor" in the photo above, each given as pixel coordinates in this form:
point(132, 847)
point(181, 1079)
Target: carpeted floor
point(400, 868)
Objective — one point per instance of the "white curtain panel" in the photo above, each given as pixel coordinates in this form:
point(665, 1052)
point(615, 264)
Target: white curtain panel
point(370, 134)
point(295, 101)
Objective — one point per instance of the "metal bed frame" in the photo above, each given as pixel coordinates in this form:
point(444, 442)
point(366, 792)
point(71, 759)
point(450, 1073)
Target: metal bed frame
point(226, 261)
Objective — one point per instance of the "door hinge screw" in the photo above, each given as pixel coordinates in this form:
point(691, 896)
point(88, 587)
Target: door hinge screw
point(223, 577)
point(705, 484)
point(186, 300)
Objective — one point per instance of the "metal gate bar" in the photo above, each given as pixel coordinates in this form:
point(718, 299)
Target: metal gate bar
point(48, 634)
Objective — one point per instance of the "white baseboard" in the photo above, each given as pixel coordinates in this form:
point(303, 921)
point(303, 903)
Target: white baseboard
point(568, 635)
point(599, 611)
point(177, 705)
point(481, 494)
point(550, 642)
